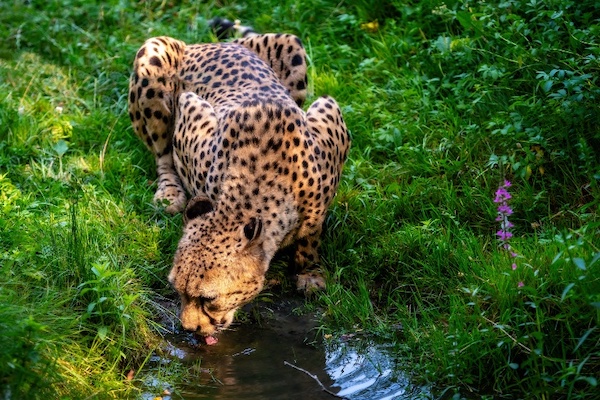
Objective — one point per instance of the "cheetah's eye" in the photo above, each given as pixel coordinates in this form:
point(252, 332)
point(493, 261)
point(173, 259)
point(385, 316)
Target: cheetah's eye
point(253, 228)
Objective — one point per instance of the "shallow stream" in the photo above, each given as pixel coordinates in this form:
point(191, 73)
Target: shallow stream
point(283, 357)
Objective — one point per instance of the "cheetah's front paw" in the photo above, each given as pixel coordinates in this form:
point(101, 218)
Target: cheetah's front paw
point(310, 282)
point(172, 197)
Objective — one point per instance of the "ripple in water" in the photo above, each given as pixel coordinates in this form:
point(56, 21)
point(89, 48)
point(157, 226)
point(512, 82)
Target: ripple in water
point(364, 370)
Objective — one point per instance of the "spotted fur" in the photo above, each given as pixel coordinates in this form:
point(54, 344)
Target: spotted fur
point(224, 123)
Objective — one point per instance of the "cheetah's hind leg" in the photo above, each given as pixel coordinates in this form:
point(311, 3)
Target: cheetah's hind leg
point(284, 53)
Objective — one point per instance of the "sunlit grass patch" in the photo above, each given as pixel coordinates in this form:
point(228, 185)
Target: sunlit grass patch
point(75, 275)
point(71, 265)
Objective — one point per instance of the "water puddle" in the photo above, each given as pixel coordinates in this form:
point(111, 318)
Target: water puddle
point(282, 357)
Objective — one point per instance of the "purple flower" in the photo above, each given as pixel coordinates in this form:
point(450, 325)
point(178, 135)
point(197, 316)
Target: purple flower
point(504, 211)
point(502, 195)
point(504, 235)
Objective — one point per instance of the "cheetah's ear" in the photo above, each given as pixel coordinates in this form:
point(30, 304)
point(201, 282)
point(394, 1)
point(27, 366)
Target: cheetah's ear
point(196, 207)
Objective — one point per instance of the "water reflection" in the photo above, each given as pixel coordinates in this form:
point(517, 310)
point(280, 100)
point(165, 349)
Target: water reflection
point(248, 363)
point(361, 369)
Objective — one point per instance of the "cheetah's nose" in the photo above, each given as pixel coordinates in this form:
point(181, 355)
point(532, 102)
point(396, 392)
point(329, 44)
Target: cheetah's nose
point(189, 322)
point(191, 328)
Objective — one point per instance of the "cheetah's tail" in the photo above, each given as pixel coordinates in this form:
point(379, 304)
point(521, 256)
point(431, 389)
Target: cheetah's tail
point(225, 28)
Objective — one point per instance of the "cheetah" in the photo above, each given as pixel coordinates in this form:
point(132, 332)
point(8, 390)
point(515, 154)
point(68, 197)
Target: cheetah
point(225, 124)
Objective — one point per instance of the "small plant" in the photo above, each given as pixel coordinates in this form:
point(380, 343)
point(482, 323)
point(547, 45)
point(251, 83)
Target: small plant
point(502, 197)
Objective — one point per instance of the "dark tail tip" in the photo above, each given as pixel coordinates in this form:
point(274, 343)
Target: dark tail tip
point(222, 27)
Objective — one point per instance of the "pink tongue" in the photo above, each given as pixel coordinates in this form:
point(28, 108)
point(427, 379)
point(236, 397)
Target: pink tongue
point(210, 340)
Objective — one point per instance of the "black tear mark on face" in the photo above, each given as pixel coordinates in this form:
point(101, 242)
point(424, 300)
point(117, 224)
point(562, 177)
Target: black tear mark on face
point(253, 228)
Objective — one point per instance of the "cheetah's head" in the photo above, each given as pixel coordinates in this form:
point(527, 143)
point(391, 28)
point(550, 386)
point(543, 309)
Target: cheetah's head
point(219, 266)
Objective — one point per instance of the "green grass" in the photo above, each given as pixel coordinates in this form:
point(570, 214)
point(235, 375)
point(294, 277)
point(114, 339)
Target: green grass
point(444, 101)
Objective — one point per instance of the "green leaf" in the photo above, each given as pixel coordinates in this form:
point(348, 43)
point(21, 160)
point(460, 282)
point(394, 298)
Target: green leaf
point(556, 258)
point(470, 22)
point(584, 337)
point(589, 379)
point(594, 259)
point(60, 148)
point(443, 44)
point(102, 332)
point(513, 365)
point(579, 263)
point(566, 291)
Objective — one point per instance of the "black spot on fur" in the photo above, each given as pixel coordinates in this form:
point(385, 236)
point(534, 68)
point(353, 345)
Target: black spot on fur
point(155, 61)
point(297, 60)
